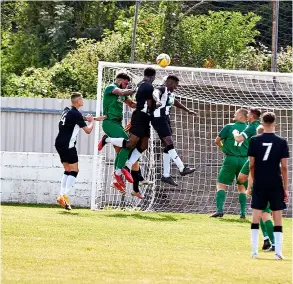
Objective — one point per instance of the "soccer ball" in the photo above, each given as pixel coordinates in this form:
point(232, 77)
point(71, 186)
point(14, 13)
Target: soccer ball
point(163, 60)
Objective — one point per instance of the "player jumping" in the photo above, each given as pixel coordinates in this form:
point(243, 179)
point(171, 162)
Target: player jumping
point(161, 123)
point(140, 121)
point(114, 96)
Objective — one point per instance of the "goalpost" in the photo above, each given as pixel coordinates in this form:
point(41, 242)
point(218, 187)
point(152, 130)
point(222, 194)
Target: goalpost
point(215, 95)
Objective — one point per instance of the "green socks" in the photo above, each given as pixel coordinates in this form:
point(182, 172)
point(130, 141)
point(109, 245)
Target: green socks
point(264, 228)
point(242, 201)
point(220, 200)
point(270, 229)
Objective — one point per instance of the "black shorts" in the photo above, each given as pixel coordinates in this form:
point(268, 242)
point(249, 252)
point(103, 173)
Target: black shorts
point(162, 125)
point(260, 199)
point(67, 155)
point(140, 124)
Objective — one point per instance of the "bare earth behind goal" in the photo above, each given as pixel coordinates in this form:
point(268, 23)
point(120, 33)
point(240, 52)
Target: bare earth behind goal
point(215, 95)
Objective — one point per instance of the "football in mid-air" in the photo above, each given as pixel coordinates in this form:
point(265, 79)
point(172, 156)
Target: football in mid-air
point(163, 60)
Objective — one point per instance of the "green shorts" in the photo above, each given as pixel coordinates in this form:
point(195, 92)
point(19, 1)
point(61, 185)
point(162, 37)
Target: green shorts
point(114, 129)
point(230, 169)
point(245, 168)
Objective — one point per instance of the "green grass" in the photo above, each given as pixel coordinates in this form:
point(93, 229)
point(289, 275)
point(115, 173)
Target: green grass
point(49, 245)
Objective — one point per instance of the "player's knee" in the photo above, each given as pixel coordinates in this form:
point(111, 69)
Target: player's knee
point(266, 216)
point(74, 173)
point(242, 178)
point(169, 147)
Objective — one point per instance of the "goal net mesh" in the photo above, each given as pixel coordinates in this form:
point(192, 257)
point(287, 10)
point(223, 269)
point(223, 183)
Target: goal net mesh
point(214, 95)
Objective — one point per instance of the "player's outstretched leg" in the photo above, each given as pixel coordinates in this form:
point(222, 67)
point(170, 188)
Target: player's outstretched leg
point(174, 156)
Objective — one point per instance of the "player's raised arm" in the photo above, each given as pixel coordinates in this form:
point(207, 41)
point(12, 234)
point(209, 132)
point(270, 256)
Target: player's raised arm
point(89, 128)
point(183, 107)
point(130, 103)
point(122, 81)
point(253, 119)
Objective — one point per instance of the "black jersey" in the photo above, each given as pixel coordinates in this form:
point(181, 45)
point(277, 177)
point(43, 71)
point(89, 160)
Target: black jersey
point(143, 94)
point(70, 123)
point(268, 149)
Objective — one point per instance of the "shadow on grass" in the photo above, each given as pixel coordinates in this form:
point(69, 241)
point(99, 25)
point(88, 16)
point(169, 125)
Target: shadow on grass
point(234, 220)
point(158, 218)
point(69, 213)
point(34, 205)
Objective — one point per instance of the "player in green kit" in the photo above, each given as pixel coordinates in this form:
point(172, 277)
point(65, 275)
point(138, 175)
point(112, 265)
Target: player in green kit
point(235, 158)
point(114, 96)
point(266, 222)
point(250, 130)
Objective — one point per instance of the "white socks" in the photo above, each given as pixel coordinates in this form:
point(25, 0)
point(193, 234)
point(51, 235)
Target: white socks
point(254, 240)
point(174, 156)
point(69, 183)
point(63, 184)
point(166, 164)
point(115, 141)
point(118, 172)
point(135, 155)
point(278, 242)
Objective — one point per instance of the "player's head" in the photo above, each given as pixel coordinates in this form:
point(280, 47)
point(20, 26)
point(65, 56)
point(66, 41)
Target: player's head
point(122, 79)
point(76, 99)
point(260, 129)
point(254, 114)
point(172, 83)
point(149, 73)
point(241, 115)
point(268, 119)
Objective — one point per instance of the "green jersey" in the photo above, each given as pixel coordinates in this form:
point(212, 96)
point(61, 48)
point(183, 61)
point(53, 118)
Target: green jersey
point(230, 146)
point(113, 104)
point(248, 132)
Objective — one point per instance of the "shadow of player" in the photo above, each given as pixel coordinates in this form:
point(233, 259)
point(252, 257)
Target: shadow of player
point(158, 218)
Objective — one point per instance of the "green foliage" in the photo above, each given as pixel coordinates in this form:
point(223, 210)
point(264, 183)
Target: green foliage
point(221, 35)
point(51, 48)
point(76, 72)
point(260, 58)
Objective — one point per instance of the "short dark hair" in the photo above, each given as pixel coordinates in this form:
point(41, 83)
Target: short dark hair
point(123, 75)
point(173, 77)
point(149, 71)
point(255, 112)
point(75, 95)
point(268, 117)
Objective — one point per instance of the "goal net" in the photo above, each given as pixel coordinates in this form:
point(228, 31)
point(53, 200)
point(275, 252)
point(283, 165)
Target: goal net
point(214, 95)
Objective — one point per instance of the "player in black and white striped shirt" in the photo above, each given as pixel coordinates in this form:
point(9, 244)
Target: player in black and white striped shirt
point(160, 121)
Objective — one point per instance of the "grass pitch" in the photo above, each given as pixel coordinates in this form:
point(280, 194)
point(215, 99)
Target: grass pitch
point(50, 245)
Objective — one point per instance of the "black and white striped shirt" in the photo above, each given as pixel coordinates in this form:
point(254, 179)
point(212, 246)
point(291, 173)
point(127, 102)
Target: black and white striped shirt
point(166, 98)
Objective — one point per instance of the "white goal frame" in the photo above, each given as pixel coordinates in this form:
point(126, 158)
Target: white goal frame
point(97, 162)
